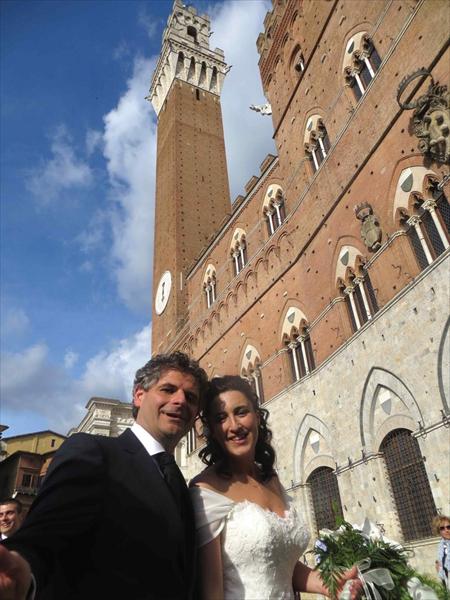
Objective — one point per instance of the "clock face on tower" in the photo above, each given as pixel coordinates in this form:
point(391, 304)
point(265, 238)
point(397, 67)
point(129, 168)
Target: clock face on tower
point(163, 292)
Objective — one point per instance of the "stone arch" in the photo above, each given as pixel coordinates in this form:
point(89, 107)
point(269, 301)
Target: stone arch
point(237, 239)
point(293, 321)
point(273, 191)
point(348, 259)
point(385, 392)
point(354, 44)
point(249, 359)
point(312, 448)
point(240, 290)
point(411, 179)
point(210, 273)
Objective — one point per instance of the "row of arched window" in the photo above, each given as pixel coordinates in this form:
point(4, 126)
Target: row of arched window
point(408, 482)
point(360, 64)
point(421, 209)
point(274, 214)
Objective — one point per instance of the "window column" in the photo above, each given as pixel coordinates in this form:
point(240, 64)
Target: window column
point(314, 157)
point(359, 281)
point(305, 358)
point(359, 82)
point(322, 147)
point(208, 295)
point(236, 261)
point(241, 254)
point(269, 218)
point(414, 221)
point(293, 348)
point(277, 208)
point(350, 290)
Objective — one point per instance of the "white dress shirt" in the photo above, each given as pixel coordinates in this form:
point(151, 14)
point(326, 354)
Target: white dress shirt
point(147, 440)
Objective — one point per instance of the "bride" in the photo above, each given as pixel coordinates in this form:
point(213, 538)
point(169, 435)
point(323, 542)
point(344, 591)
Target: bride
point(249, 533)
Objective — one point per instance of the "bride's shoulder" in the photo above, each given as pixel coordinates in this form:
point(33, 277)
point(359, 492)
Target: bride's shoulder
point(207, 479)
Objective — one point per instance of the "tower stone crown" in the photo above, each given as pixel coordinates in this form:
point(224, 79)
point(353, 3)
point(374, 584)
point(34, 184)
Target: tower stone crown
point(186, 56)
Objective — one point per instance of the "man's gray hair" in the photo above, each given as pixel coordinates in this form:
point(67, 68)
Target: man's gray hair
point(151, 372)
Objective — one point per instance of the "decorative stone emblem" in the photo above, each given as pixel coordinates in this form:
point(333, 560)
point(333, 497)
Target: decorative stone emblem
point(431, 117)
point(370, 226)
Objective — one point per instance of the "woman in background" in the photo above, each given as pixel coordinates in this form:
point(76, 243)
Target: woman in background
point(441, 526)
point(249, 533)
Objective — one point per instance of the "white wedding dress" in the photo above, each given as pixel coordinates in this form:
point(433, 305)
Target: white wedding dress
point(259, 548)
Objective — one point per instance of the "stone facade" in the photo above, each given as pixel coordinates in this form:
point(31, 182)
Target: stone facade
point(105, 417)
point(330, 275)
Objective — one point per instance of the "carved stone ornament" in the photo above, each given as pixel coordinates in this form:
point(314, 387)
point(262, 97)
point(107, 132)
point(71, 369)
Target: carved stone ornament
point(431, 117)
point(371, 232)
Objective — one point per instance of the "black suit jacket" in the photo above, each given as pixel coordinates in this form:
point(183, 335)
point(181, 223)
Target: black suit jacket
point(105, 526)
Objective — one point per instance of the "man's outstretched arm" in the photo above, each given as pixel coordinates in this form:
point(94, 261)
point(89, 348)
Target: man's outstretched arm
point(65, 509)
point(15, 575)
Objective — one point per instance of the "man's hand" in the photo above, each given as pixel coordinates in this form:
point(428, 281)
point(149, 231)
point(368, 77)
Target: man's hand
point(15, 575)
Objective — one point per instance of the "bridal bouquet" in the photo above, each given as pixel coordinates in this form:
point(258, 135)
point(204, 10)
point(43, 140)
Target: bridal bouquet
point(383, 565)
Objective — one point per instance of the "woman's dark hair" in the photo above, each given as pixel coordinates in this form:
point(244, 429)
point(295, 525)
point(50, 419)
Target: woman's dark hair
point(212, 453)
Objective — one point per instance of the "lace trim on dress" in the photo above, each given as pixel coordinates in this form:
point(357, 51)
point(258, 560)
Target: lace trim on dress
point(212, 509)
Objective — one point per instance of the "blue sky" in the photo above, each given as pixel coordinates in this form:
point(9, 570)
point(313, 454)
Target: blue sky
point(78, 146)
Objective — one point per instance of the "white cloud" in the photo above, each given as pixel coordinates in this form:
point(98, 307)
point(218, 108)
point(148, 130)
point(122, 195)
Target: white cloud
point(130, 151)
point(94, 141)
point(111, 373)
point(94, 234)
point(62, 172)
point(148, 22)
point(14, 322)
point(32, 383)
point(70, 359)
point(122, 51)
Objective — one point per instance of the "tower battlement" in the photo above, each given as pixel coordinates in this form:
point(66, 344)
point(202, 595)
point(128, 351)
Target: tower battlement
point(186, 55)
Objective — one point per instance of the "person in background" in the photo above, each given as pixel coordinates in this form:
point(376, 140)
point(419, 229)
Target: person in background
point(10, 517)
point(441, 526)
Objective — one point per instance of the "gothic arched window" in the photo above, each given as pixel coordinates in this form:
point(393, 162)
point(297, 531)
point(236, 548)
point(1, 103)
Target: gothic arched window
point(361, 300)
point(317, 142)
point(427, 227)
point(238, 251)
point(296, 338)
point(251, 371)
point(423, 211)
point(273, 208)
point(325, 496)
point(209, 285)
point(297, 61)
point(409, 484)
point(301, 356)
point(361, 62)
point(355, 285)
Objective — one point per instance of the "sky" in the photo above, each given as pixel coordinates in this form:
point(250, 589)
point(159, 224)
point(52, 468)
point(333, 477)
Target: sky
point(77, 161)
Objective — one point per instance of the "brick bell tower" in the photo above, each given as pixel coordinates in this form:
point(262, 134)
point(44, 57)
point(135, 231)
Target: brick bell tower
point(192, 192)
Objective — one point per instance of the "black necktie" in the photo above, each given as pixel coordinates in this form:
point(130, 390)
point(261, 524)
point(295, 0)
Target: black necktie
point(177, 486)
point(174, 479)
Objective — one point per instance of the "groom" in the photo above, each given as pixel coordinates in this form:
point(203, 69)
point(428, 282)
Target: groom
point(107, 522)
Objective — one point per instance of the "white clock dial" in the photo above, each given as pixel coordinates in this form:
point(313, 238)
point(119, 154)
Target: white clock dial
point(163, 292)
